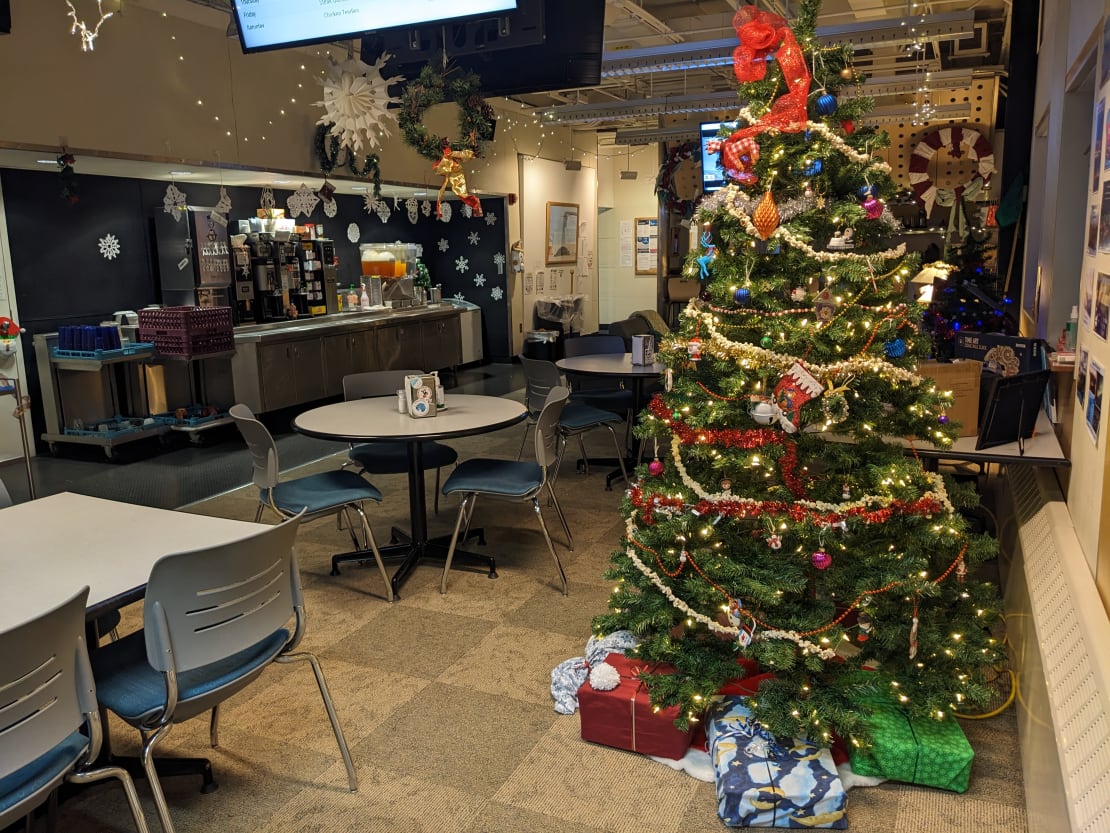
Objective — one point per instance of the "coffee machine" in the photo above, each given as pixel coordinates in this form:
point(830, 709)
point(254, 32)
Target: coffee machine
point(329, 266)
point(243, 306)
point(271, 300)
point(319, 275)
point(288, 265)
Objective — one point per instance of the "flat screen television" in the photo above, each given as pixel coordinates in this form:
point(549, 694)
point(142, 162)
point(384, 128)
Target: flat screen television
point(278, 24)
point(712, 174)
point(549, 45)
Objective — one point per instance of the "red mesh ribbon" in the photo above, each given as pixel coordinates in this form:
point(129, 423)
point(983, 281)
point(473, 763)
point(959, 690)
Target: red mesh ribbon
point(761, 33)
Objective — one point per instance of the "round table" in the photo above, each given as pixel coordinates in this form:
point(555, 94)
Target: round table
point(616, 364)
point(377, 419)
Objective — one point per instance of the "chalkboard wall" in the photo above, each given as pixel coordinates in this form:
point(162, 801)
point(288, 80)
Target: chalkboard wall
point(61, 276)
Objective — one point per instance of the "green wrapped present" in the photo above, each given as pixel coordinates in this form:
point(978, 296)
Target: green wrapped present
point(932, 753)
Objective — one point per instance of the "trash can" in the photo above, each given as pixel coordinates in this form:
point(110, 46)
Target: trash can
point(541, 344)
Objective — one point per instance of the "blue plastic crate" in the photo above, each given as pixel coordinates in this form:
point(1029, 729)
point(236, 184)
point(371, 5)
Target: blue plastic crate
point(192, 417)
point(109, 428)
point(137, 348)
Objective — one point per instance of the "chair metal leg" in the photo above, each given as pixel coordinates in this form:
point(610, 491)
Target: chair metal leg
point(469, 515)
point(352, 778)
point(89, 776)
point(368, 533)
point(620, 454)
point(559, 512)
point(342, 513)
point(550, 545)
point(147, 758)
point(435, 498)
point(258, 514)
point(214, 726)
point(523, 440)
point(585, 458)
point(466, 502)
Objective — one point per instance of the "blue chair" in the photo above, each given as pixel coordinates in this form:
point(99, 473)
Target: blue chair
point(50, 728)
point(391, 457)
point(512, 480)
point(577, 418)
point(316, 495)
point(214, 619)
point(599, 391)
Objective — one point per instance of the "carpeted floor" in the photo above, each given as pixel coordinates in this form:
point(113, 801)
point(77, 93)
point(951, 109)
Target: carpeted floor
point(445, 702)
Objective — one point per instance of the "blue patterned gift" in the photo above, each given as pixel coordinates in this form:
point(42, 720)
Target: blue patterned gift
point(763, 783)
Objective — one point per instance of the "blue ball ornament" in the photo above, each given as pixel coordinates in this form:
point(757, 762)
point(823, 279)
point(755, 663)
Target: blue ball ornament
point(742, 296)
point(895, 348)
point(813, 167)
point(826, 104)
point(866, 191)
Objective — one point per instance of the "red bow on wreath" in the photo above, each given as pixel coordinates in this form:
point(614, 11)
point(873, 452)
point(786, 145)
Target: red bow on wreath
point(761, 33)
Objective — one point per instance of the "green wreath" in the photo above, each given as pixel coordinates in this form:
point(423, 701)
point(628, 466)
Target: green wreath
point(329, 159)
point(476, 117)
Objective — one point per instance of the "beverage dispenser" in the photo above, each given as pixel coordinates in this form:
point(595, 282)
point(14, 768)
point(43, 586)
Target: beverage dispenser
point(395, 265)
point(271, 301)
point(329, 269)
point(243, 308)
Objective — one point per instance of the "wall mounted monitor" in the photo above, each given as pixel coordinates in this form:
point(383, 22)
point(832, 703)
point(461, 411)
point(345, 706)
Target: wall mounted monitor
point(1010, 408)
point(712, 174)
point(279, 24)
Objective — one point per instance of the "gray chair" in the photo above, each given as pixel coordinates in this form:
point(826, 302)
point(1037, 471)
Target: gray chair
point(316, 495)
point(628, 327)
point(602, 392)
point(512, 480)
point(577, 419)
point(50, 729)
point(391, 457)
point(214, 619)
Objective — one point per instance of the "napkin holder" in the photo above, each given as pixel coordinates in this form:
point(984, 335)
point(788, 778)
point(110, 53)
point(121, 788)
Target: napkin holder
point(643, 349)
point(420, 393)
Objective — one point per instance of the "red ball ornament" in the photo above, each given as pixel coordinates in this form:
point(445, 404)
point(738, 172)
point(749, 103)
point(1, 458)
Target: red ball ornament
point(848, 126)
point(821, 560)
point(655, 468)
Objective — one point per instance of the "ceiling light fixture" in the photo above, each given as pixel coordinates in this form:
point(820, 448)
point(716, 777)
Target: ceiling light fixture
point(653, 135)
point(694, 103)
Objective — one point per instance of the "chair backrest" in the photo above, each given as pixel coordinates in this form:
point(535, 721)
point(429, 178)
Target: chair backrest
point(5, 496)
point(547, 426)
point(204, 605)
point(540, 376)
point(375, 383)
point(46, 684)
point(627, 328)
point(593, 344)
point(656, 325)
point(261, 444)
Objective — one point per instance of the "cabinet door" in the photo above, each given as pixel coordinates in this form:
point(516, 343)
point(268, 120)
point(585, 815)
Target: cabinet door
point(275, 363)
point(442, 343)
point(308, 369)
point(401, 347)
point(339, 361)
point(364, 351)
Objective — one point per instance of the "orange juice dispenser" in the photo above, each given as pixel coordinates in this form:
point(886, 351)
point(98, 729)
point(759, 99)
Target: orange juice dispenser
point(395, 265)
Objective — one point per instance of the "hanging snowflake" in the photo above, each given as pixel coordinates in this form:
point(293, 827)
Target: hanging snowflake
point(491, 219)
point(445, 212)
point(426, 208)
point(462, 264)
point(459, 296)
point(474, 238)
point(303, 201)
point(383, 211)
point(370, 204)
point(467, 211)
point(479, 280)
point(331, 208)
point(443, 245)
point(499, 262)
point(109, 247)
point(497, 293)
point(222, 209)
point(356, 98)
point(174, 202)
point(266, 200)
point(396, 203)
point(413, 209)
point(353, 232)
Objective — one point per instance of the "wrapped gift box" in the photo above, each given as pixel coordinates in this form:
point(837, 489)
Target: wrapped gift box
point(764, 783)
point(931, 753)
point(624, 717)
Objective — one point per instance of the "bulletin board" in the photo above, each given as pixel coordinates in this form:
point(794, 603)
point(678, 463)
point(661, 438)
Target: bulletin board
point(647, 245)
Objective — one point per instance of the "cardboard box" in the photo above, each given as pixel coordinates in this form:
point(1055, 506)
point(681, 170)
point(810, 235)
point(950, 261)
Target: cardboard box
point(1001, 353)
point(962, 378)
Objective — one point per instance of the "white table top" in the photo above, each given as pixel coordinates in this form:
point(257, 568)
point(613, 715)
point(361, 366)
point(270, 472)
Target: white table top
point(366, 420)
point(56, 545)
point(1041, 449)
point(609, 364)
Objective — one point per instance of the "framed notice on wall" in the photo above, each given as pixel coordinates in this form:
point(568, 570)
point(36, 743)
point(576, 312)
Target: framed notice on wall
point(647, 245)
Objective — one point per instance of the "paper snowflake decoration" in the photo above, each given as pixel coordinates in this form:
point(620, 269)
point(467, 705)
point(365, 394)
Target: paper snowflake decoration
point(356, 98)
point(443, 245)
point(222, 209)
point(474, 238)
point(174, 201)
point(426, 208)
point(479, 280)
point(331, 208)
point(353, 232)
point(491, 219)
point(459, 296)
point(467, 211)
point(497, 293)
point(370, 204)
point(303, 201)
point(412, 207)
point(445, 212)
point(499, 262)
point(383, 211)
point(109, 247)
point(266, 200)
point(462, 264)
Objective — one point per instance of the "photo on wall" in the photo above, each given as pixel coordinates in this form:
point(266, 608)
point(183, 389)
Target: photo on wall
point(1104, 219)
point(1104, 69)
point(1094, 399)
point(1081, 378)
point(1087, 293)
point(1092, 231)
point(1100, 118)
point(1102, 305)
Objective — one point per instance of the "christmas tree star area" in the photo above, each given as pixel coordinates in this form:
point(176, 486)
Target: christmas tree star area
point(785, 517)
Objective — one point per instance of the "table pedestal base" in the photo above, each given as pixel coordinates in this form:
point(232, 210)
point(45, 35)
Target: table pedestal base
point(412, 553)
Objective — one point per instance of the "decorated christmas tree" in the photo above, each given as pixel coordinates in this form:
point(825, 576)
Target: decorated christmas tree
point(785, 517)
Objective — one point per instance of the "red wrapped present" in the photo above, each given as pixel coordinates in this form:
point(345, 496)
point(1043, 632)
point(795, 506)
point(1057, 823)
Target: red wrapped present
point(624, 717)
